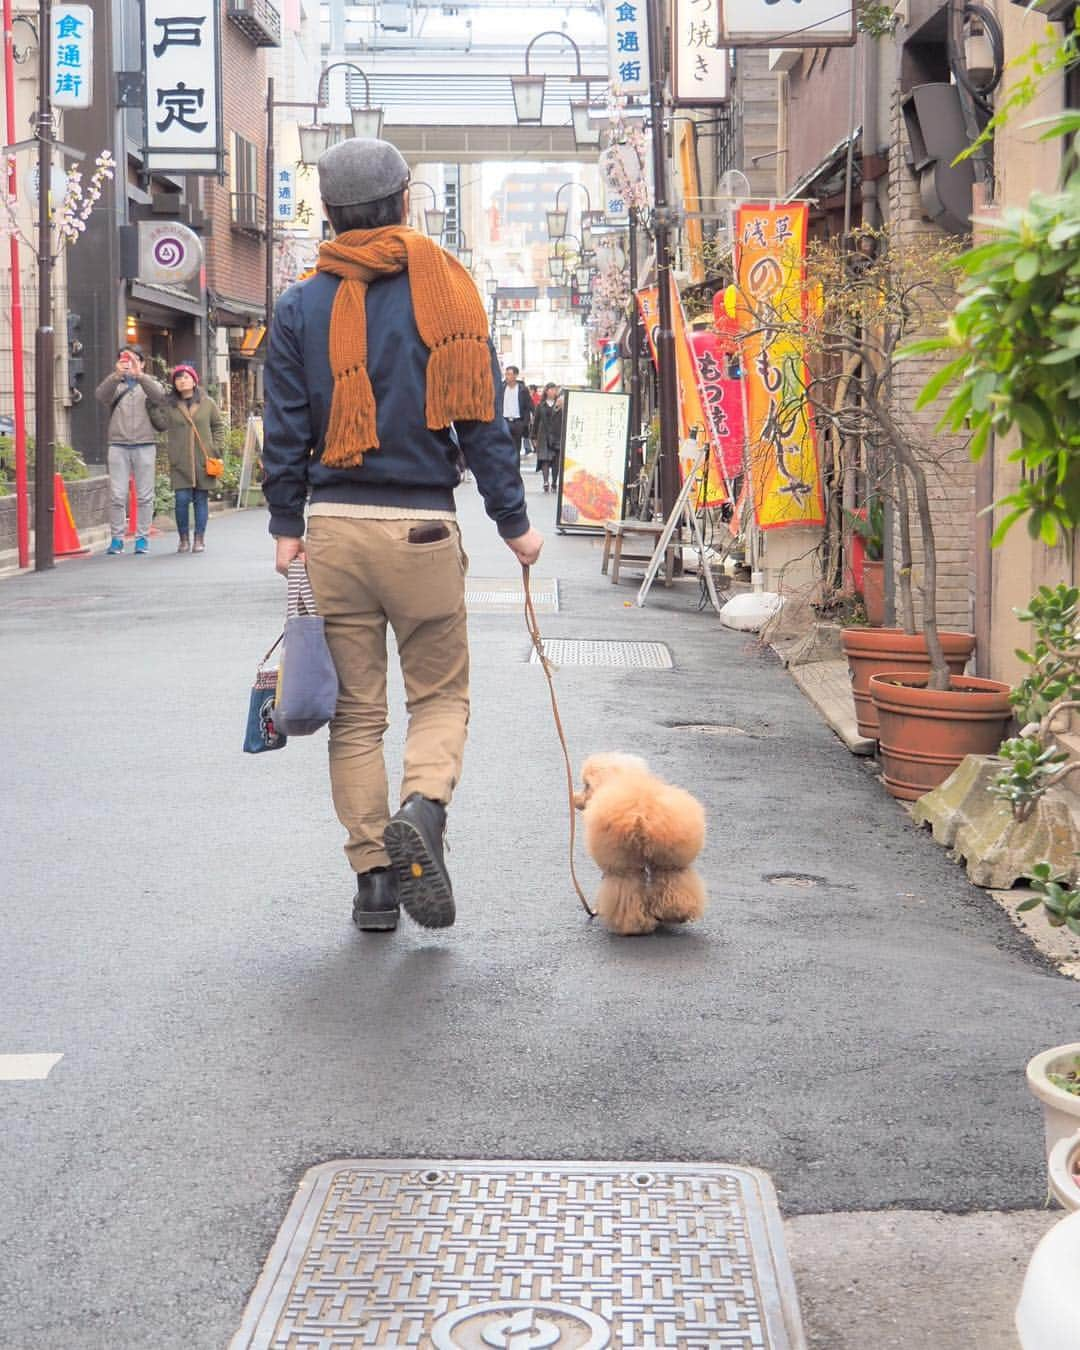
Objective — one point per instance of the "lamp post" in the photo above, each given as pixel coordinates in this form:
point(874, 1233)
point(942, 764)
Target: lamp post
point(557, 219)
point(314, 140)
point(434, 215)
point(665, 335)
point(528, 89)
point(44, 345)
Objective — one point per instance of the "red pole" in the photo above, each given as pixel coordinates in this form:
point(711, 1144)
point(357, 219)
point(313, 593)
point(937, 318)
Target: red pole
point(18, 376)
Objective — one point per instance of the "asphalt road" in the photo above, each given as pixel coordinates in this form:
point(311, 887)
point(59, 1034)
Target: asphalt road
point(176, 924)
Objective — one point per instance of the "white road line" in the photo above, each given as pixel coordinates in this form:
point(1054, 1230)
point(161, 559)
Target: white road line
point(19, 1068)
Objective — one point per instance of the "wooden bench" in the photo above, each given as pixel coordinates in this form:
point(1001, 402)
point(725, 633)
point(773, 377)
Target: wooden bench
point(615, 534)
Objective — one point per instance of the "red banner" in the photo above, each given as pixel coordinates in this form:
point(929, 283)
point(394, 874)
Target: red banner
point(722, 397)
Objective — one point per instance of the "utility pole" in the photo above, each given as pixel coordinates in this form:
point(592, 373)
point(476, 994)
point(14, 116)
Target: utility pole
point(44, 413)
point(18, 356)
point(665, 333)
point(269, 207)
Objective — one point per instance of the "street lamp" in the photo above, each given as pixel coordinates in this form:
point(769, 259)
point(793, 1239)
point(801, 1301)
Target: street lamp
point(315, 140)
point(586, 128)
point(434, 216)
point(557, 218)
point(528, 89)
point(555, 268)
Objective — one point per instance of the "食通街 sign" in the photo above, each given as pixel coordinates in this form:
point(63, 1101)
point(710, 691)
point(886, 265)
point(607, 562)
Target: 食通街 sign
point(183, 86)
point(628, 45)
point(72, 46)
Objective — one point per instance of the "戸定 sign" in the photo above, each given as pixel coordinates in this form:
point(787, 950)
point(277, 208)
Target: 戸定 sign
point(183, 85)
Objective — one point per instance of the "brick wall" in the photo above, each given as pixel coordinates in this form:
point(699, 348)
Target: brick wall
point(950, 473)
point(235, 263)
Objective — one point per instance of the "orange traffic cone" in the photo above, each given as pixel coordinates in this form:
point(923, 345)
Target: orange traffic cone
point(133, 511)
point(65, 535)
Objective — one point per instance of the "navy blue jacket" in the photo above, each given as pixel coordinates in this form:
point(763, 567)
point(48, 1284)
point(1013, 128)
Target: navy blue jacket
point(413, 466)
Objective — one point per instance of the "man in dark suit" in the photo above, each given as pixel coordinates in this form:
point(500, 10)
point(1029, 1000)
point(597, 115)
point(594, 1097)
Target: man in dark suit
point(515, 405)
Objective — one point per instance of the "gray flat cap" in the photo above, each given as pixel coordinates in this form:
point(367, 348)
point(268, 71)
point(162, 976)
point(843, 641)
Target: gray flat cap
point(360, 170)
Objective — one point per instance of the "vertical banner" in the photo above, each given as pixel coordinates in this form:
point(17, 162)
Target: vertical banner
point(692, 415)
point(628, 45)
point(691, 194)
point(770, 265)
point(72, 56)
point(722, 395)
point(181, 52)
point(699, 65)
point(596, 429)
point(285, 194)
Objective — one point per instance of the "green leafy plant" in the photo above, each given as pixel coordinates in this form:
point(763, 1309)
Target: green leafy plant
point(1061, 902)
point(1069, 1081)
point(1031, 768)
point(70, 465)
point(870, 528)
point(1054, 658)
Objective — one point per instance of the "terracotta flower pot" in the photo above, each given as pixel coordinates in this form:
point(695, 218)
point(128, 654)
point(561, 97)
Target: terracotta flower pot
point(873, 592)
point(925, 733)
point(872, 650)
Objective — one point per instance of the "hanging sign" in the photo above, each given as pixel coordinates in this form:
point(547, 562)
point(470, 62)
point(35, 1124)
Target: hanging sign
point(169, 253)
point(596, 428)
point(699, 64)
point(770, 257)
point(722, 396)
point(628, 45)
point(72, 28)
point(181, 53)
point(786, 23)
point(285, 194)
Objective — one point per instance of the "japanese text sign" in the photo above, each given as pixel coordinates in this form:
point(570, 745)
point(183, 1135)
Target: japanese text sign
point(628, 45)
point(699, 65)
point(787, 23)
point(72, 56)
point(285, 194)
point(183, 97)
point(770, 254)
point(722, 396)
point(591, 485)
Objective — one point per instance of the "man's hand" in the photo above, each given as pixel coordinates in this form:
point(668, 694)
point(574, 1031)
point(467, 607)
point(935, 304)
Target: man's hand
point(288, 548)
point(526, 547)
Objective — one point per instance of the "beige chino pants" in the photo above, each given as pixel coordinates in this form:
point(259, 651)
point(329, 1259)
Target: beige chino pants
point(366, 574)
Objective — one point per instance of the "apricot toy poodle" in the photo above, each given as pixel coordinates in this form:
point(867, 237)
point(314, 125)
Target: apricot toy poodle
point(643, 834)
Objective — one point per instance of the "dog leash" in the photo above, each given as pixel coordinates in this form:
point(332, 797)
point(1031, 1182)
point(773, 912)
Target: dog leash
point(549, 671)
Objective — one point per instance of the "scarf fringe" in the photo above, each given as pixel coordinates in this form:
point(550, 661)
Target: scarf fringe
point(350, 432)
point(459, 383)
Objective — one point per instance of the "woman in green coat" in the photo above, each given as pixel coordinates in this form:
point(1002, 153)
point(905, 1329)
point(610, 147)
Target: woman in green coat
point(194, 433)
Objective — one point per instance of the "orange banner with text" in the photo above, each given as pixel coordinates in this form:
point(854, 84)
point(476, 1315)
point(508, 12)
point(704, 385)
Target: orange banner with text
point(770, 268)
point(691, 408)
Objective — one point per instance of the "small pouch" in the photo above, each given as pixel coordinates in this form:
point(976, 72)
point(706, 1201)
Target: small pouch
point(263, 731)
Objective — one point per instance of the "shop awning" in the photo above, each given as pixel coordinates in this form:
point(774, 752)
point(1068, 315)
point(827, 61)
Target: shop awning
point(827, 177)
point(167, 297)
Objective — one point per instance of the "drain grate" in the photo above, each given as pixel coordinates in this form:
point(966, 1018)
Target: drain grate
point(499, 595)
point(709, 728)
point(597, 652)
point(469, 1255)
point(793, 879)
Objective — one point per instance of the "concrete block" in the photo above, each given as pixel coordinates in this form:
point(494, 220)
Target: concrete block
point(980, 828)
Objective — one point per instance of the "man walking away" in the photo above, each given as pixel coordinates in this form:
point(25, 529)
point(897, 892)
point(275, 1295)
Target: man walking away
point(516, 406)
point(377, 364)
point(132, 444)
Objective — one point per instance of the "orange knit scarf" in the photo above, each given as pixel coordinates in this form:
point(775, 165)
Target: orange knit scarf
point(450, 318)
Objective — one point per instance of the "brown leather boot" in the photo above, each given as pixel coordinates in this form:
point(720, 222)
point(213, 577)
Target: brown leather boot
point(183, 544)
point(199, 545)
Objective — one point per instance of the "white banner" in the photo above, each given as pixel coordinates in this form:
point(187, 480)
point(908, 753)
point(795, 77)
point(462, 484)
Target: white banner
point(787, 23)
point(72, 49)
point(699, 65)
point(183, 93)
point(284, 193)
point(628, 45)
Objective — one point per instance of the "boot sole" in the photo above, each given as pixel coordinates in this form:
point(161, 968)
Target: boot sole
point(375, 921)
point(425, 896)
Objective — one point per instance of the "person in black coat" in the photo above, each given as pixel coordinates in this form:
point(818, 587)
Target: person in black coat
point(547, 436)
point(515, 405)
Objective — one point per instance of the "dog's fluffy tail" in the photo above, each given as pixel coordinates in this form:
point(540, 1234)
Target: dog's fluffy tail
point(676, 896)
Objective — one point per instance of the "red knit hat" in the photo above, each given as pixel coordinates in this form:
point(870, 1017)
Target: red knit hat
point(186, 370)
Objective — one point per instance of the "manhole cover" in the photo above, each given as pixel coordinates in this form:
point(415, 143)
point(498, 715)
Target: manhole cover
point(577, 1256)
point(497, 594)
point(793, 879)
point(594, 652)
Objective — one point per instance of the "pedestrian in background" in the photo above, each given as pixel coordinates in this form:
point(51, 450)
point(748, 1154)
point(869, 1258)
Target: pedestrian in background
point(547, 435)
point(194, 432)
point(377, 363)
point(129, 393)
point(515, 405)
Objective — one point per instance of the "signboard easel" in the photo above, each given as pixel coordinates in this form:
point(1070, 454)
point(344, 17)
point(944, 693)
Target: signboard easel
point(682, 513)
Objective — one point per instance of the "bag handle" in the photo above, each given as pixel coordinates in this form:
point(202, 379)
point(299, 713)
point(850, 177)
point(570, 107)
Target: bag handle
point(301, 598)
point(272, 650)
